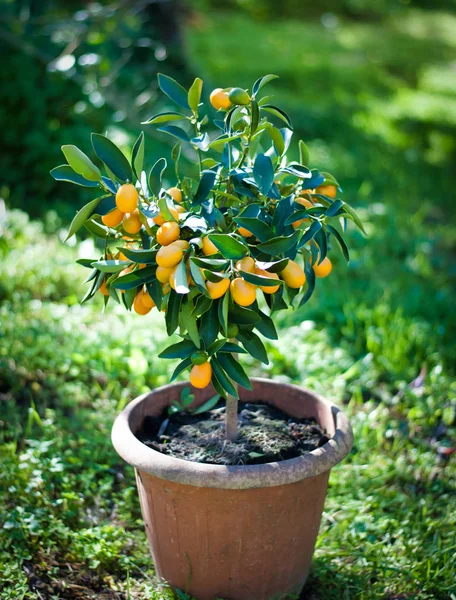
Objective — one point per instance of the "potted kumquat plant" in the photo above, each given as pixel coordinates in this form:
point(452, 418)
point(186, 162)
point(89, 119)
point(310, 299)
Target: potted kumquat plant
point(232, 471)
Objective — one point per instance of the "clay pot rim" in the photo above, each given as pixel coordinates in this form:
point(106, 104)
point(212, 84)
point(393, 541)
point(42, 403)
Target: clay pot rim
point(196, 474)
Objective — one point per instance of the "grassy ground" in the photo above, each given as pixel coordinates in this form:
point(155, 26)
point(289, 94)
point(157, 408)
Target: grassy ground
point(382, 115)
point(71, 526)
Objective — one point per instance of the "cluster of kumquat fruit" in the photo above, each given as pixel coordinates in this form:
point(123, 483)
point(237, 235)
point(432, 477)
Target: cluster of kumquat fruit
point(219, 253)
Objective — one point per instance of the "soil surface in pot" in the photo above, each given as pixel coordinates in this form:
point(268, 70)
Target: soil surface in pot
point(266, 434)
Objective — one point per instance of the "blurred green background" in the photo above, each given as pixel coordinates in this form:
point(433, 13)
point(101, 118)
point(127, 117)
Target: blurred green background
point(371, 88)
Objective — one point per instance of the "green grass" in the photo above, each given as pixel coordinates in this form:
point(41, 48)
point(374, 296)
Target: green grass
point(70, 514)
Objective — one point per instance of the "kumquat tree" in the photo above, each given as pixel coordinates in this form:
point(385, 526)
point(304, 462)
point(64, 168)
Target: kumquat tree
point(219, 253)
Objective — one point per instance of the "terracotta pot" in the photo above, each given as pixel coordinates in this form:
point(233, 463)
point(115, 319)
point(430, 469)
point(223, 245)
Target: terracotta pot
point(241, 532)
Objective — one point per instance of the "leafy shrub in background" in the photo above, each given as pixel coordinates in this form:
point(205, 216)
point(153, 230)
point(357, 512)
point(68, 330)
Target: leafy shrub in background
point(68, 69)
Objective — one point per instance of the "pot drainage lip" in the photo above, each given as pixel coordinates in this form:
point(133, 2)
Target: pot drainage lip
point(289, 471)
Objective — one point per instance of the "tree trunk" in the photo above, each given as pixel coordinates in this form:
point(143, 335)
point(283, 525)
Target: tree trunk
point(231, 418)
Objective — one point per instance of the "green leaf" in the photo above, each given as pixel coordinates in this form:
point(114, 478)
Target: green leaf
point(112, 157)
point(259, 228)
point(223, 313)
point(164, 117)
point(110, 266)
point(179, 350)
point(205, 186)
point(176, 132)
point(340, 241)
point(333, 208)
point(223, 378)
point(206, 406)
point(181, 278)
point(219, 143)
point(229, 246)
point(255, 118)
point(165, 209)
point(82, 216)
point(231, 347)
point(66, 173)
point(260, 279)
point(253, 345)
point(330, 179)
point(310, 282)
point(96, 229)
point(259, 83)
point(304, 154)
point(243, 316)
point(198, 278)
point(155, 176)
point(189, 320)
point(215, 277)
point(139, 256)
point(263, 173)
point(194, 94)
point(297, 170)
point(172, 312)
point(155, 290)
point(310, 233)
point(137, 156)
point(215, 347)
point(81, 163)
point(322, 243)
point(217, 386)
point(85, 262)
point(132, 280)
point(277, 139)
point(277, 112)
point(274, 266)
point(173, 90)
point(181, 367)
point(234, 369)
point(213, 264)
point(280, 244)
point(266, 326)
point(353, 215)
point(209, 325)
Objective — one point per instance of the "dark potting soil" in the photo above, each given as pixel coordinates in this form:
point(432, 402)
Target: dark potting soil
point(266, 434)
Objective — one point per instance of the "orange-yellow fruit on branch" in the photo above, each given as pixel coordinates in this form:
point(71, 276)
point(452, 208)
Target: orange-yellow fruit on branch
point(127, 198)
point(219, 99)
point(246, 264)
point(181, 244)
point(242, 292)
point(244, 232)
point(131, 222)
point(209, 247)
point(147, 300)
point(169, 256)
point(327, 190)
point(138, 304)
point(217, 289)
point(160, 219)
point(168, 233)
point(113, 218)
point(104, 289)
point(266, 288)
point(176, 194)
point(200, 375)
point(162, 274)
point(293, 275)
point(324, 268)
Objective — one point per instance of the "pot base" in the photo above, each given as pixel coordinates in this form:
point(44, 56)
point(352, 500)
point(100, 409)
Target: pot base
point(234, 532)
